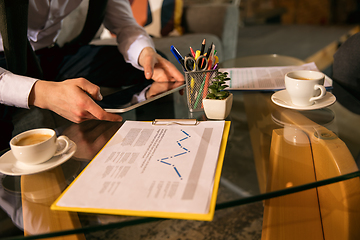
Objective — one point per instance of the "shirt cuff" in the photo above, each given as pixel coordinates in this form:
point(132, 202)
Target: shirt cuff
point(15, 89)
point(140, 97)
point(135, 49)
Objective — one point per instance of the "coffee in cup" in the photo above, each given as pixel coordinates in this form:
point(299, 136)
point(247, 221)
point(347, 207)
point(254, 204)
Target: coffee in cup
point(32, 139)
point(305, 87)
point(38, 145)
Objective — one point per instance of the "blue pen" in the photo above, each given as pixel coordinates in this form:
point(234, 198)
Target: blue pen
point(177, 55)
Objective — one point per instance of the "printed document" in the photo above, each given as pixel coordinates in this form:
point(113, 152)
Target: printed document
point(146, 167)
point(265, 78)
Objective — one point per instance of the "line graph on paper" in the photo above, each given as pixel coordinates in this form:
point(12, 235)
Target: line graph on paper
point(172, 160)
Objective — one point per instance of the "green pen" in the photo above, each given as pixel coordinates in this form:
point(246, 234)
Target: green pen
point(199, 94)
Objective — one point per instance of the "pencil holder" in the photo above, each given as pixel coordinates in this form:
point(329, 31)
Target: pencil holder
point(197, 83)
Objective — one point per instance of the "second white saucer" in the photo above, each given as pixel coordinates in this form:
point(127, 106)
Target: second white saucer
point(282, 98)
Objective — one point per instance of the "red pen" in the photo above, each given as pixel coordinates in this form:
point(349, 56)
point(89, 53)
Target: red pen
point(192, 52)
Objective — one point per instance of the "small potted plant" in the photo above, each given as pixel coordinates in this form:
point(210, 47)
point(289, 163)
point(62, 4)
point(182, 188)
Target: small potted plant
point(218, 102)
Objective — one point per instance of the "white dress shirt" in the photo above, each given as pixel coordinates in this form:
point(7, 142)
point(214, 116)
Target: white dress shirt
point(44, 24)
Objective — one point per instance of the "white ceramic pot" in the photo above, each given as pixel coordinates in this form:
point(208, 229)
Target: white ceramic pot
point(218, 109)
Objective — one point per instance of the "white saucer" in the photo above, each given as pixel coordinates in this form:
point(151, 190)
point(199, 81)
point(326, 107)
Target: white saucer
point(10, 166)
point(282, 98)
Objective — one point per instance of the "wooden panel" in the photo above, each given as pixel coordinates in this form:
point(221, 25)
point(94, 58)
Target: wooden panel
point(324, 58)
point(39, 191)
point(339, 202)
point(294, 216)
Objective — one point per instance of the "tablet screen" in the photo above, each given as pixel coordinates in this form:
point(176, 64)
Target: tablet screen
point(138, 95)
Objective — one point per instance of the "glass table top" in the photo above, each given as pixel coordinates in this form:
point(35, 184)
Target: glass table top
point(271, 152)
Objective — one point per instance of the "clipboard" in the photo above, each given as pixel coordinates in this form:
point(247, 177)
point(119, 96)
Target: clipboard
point(214, 184)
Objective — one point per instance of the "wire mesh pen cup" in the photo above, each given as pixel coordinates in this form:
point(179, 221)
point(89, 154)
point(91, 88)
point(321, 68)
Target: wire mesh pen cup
point(197, 83)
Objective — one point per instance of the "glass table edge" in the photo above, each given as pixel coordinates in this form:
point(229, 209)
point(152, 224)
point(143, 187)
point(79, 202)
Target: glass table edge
point(219, 206)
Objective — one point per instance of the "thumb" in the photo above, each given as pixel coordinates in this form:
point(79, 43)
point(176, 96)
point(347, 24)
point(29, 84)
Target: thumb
point(148, 70)
point(149, 63)
point(147, 60)
point(90, 88)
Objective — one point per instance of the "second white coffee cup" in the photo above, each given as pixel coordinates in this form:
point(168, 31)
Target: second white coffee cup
point(38, 145)
point(305, 87)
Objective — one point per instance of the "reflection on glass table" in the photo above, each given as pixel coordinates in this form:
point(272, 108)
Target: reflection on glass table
point(301, 163)
point(304, 150)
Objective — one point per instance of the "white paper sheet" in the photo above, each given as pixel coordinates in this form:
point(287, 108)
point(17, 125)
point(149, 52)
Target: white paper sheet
point(147, 167)
point(264, 78)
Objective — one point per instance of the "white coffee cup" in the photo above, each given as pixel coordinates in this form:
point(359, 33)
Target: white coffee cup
point(38, 145)
point(305, 87)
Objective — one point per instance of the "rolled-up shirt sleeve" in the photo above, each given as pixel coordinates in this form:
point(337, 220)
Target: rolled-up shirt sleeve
point(131, 37)
point(15, 89)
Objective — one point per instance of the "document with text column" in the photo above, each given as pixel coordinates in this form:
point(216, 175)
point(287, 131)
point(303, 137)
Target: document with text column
point(151, 170)
point(265, 78)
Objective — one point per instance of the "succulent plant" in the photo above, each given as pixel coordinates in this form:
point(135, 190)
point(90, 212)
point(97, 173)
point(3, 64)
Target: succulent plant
point(216, 89)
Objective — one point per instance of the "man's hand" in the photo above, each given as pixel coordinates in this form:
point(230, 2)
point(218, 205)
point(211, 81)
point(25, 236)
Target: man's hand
point(158, 68)
point(71, 99)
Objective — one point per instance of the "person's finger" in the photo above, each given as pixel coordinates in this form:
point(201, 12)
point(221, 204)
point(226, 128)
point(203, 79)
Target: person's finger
point(160, 75)
point(147, 60)
point(173, 74)
point(149, 64)
point(98, 113)
point(70, 99)
point(93, 110)
point(92, 89)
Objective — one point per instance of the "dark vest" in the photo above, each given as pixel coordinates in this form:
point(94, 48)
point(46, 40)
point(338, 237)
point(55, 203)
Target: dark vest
point(21, 59)
point(19, 55)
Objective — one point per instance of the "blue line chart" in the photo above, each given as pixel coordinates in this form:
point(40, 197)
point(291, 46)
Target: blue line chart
point(183, 150)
